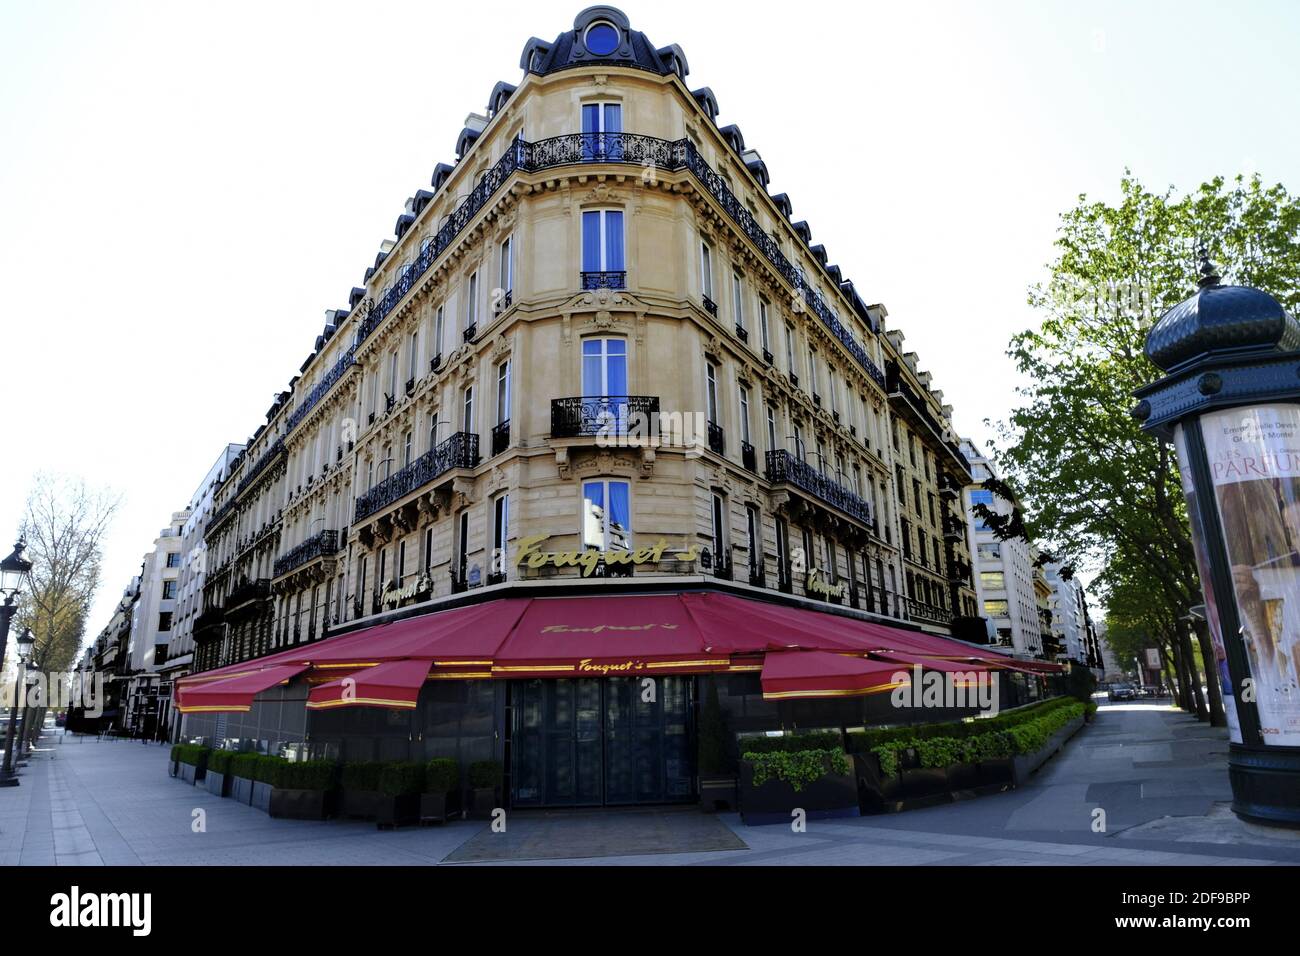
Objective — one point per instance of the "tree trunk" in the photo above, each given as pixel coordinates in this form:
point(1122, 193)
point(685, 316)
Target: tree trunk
point(1217, 717)
point(1202, 711)
point(1182, 692)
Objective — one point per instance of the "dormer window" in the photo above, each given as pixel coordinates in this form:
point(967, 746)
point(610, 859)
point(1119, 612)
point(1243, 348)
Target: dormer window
point(602, 38)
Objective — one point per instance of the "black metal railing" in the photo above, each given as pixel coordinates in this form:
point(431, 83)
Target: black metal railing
point(742, 333)
point(717, 438)
point(470, 332)
point(604, 280)
point(219, 516)
point(921, 611)
point(630, 148)
point(246, 590)
point(785, 467)
point(501, 437)
point(603, 415)
point(271, 454)
point(748, 457)
point(458, 451)
point(757, 574)
point(710, 306)
point(318, 545)
point(321, 388)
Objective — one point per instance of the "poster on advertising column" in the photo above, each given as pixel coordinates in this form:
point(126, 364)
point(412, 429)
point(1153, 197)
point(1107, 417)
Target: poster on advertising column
point(1254, 459)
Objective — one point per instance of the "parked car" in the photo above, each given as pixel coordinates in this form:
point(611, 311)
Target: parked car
point(1121, 692)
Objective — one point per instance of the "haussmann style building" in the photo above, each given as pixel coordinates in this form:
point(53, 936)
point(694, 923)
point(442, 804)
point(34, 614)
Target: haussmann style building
point(599, 414)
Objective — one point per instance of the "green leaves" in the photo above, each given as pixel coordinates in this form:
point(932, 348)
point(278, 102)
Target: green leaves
point(799, 767)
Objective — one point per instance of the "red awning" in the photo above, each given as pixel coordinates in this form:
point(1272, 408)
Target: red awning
point(233, 692)
point(802, 674)
point(393, 684)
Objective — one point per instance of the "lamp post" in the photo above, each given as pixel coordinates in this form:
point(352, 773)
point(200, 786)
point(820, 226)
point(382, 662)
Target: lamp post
point(1230, 403)
point(13, 571)
point(25, 642)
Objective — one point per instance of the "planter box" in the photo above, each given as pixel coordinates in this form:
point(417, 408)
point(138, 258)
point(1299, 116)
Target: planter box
point(362, 804)
point(963, 778)
point(399, 811)
point(261, 796)
point(482, 802)
point(718, 792)
point(241, 788)
point(439, 807)
point(190, 773)
point(174, 768)
point(218, 783)
point(997, 774)
point(827, 797)
point(1026, 764)
point(302, 804)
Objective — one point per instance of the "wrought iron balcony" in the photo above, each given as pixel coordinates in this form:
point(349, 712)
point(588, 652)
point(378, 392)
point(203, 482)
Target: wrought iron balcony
point(748, 457)
point(920, 611)
point(767, 357)
point(271, 454)
point(627, 148)
point(435, 362)
point(321, 388)
point(742, 333)
point(602, 414)
point(604, 280)
point(246, 591)
point(458, 451)
point(323, 544)
point(785, 467)
point(710, 306)
point(218, 517)
point(501, 437)
point(717, 438)
point(470, 332)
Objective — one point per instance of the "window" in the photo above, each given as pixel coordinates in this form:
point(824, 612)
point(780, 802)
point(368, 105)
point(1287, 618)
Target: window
point(812, 372)
point(989, 551)
point(165, 621)
point(438, 328)
point(606, 515)
point(997, 608)
point(771, 429)
point(782, 547)
point(462, 545)
point(169, 590)
point(751, 537)
point(382, 581)
point(706, 270)
point(800, 451)
point(602, 240)
point(604, 367)
point(500, 533)
point(993, 580)
point(789, 348)
point(361, 578)
point(467, 404)
point(503, 393)
point(433, 431)
point(413, 355)
point(744, 414)
point(764, 334)
point(602, 38)
point(401, 561)
point(428, 548)
point(471, 301)
point(507, 267)
point(174, 560)
point(721, 551)
point(711, 392)
point(601, 124)
point(738, 298)
point(392, 376)
point(406, 450)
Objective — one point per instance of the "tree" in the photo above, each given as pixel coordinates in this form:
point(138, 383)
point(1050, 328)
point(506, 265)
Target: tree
point(1093, 483)
point(64, 527)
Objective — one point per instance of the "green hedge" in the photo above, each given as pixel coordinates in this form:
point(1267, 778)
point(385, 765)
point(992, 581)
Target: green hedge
point(1025, 735)
point(196, 755)
point(306, 775)
point(401, 777)
point(797, 767)
point(362, 776)
point(219, 761)
point(792, 743)
point(441, 775)
point(484, 774)
point(864, 741)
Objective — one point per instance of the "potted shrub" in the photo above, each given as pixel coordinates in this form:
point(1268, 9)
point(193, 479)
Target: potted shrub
point(243, 771)
point(441, 797)
point(773, 785)
point(716, 765)
point(305, 790)
point(189, 762)
point(484, 781)
point(400, 785)
point(361, 789)
point(217, 779)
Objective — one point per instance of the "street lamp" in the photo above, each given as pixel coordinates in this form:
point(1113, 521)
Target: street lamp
point(13, 572)
point(1230, 403)
point(25, 642)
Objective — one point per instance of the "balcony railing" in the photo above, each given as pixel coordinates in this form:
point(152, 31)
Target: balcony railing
point(920, 611)
point(604, 280)
point(318, 545)
point(321, 388)
point(458, 451)
point(710, 306)
point(629, 148)
point(501, 437)
point(784, 467)
point(268, 456)
point(748, 457)
point(247, 590)
point(717, 438)
point(603, 415)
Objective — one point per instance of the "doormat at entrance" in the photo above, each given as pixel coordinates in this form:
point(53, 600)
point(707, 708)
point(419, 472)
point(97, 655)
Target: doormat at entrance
point(584, 834)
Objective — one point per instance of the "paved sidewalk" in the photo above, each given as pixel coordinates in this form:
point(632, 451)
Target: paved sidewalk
point(1158, 774)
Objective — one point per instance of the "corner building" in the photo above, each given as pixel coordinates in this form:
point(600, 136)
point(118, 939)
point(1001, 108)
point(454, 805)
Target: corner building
point(598, 360)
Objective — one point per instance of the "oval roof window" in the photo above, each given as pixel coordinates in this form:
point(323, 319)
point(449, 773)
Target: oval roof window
point(602, 39)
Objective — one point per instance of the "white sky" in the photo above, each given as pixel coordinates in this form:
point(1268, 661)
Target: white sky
point(185, 188)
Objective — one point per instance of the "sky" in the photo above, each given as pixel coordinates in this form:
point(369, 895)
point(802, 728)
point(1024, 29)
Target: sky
point(186, 187)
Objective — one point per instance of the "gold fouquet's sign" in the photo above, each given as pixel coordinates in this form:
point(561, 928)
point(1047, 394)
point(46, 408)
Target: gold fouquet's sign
point(816, 585)
point(588, 561)
point(588, 666)
point(394, 596)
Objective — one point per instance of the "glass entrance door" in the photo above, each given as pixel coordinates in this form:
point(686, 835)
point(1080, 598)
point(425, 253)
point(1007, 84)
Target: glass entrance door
point(594, 742)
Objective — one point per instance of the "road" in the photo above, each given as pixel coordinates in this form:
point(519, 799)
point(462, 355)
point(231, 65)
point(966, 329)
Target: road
point(1158, 775)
